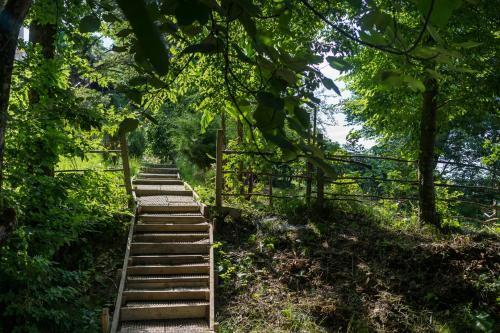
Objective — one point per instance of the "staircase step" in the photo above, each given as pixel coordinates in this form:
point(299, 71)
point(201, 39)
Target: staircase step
point(194, 268)
point(157, 182)
point(159, 165)
point(170, 237)
point(171, 227)
point(167, 281)
point(161, 190)
point(143, 175)
point(172, 218)
point(160, 170)
point(171, 259)
point(164, 310)
point(166, 326)
point(170, 247)
point(179, 208)
point(167, 294)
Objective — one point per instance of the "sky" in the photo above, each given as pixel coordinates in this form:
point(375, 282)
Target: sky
point(338, 132)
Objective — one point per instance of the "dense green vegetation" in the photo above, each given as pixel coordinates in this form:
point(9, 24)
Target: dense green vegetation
point(408, 242)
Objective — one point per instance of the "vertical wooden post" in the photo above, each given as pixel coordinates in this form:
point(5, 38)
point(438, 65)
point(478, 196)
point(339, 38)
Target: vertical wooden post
point(309, 171)
point(320, 180)
point(250, 183)
point(270, 190)
point(219, 182)
point(126, 164)
point(105, 320)
point(239, 127)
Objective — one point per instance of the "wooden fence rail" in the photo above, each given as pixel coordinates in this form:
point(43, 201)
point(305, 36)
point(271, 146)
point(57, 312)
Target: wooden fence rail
point(321, 179)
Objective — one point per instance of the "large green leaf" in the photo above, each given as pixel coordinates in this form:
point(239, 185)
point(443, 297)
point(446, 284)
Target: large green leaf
point(146, 31)
point(338, 63)
point(330, 85)
point(89, 23)
point(267, 118)
point(441, 11)
point(209, 45)
point(271, 101)
point(189, 11)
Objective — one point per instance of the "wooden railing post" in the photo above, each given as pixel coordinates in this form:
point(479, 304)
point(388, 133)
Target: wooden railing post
point(320, 180)
point(271, 190)
point(126, 164)
point(309, 171)
point(105, 320)
point(127, 125)
point(219, 181)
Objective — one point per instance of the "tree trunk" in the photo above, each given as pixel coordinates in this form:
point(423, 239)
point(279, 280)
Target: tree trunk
point(426, 165)
point(11, 19)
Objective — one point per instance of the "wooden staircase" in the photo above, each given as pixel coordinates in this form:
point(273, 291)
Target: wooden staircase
point(167, 277)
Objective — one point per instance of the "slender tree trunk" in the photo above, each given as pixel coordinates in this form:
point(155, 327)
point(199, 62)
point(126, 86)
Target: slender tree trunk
point(11, 20)
point(426, 165)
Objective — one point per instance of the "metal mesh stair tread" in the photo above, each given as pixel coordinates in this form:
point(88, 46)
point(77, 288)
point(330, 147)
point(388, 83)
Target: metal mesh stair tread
point(166, 200)
point(153, 304)
point(163, 187)
point(170, 277)
point(171, 233)
point(201, 241)
point(172, 214)
point(173, 265)
point(165, 326)
point(174, 289)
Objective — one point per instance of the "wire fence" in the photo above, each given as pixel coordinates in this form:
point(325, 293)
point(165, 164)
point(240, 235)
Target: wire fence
point(480, 196)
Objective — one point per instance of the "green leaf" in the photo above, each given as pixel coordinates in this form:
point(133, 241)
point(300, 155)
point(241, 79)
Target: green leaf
point(441, 12)
point(189, 11)
point(287, 75)
point(267, 118)
point(280, 140)
point(209, 45)
point(147, 33)
point(110, 18)
point(117, 48)
point(373, 37)
point(330, 85)
point(375, 19)
point(302, 116)
point(138, 81)
point(391, 78)
point(128, 125)
point(134, 95)
point(338, 63)
point(414, 84)
point(89, 23)
point(270, 101)
point(467, 45)
point(124, 33)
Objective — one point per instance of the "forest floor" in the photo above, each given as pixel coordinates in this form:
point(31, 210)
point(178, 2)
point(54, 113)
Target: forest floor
point(344, 273)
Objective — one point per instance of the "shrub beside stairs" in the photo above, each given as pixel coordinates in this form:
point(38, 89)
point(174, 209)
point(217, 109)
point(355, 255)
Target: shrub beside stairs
point(167, 278)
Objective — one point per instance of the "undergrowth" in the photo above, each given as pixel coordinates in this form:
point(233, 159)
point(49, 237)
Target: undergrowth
point(352, 270)
point(57, 270)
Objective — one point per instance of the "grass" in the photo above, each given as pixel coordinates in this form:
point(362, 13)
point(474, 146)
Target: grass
point(349, 271)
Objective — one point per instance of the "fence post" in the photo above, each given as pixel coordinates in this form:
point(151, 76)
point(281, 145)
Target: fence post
point(320, 180)
point(219, 181)
point(126, 164)
point(105, 320)
point(309, 171)
point(270, 190)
